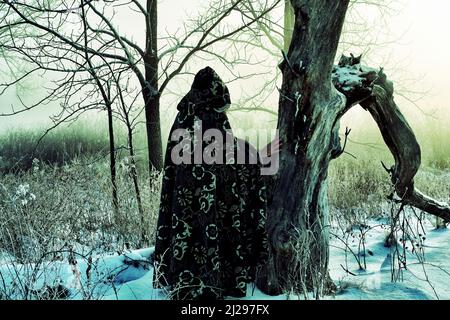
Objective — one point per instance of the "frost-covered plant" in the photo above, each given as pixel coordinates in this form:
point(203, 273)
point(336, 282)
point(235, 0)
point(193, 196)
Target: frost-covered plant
point(23, 194)
point(35, 165)
point(48, 211)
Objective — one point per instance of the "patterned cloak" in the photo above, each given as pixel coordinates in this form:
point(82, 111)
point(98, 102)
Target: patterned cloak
point(211, 238)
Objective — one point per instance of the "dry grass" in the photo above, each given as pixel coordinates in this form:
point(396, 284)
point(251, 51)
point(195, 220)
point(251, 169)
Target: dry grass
point(71, 205)
point(64, 200)
point(72, 186)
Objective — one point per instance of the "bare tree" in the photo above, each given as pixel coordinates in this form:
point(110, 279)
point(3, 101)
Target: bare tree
point(92, 65)
point(310, 107)
point(105, 90)
point(46, 34)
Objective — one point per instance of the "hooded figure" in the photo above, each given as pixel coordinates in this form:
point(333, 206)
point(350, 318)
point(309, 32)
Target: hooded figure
point(211, 238)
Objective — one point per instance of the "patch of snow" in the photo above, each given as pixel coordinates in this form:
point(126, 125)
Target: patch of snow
point(129, 275)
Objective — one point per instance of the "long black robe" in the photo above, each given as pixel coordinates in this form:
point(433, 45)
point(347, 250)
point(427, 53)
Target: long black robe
point(211, 238)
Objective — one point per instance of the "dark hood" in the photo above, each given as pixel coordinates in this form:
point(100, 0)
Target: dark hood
point(208, 94)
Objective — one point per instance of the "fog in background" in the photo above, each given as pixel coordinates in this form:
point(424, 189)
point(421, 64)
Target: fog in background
point(413, 48)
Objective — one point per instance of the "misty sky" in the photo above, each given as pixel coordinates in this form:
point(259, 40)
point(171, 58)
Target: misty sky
point(415, 42)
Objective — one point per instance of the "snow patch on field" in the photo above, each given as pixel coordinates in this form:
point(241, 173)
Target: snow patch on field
point(422, 279)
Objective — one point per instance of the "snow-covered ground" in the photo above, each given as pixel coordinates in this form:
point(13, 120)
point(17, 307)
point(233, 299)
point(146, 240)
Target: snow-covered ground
point(129, 276)
point(427, 274)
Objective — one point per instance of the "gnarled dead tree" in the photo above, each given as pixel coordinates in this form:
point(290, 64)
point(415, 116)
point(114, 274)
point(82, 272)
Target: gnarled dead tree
point(310, 108)
point(356, 81)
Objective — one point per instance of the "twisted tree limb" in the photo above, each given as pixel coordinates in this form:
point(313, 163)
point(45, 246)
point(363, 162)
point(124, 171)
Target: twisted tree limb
point(375, 93)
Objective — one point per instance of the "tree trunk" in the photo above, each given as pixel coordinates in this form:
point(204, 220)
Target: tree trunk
point(154, 140)
point(106, 95)
point(150, 91)
point(289, 18)
point(112, 160)
point(309, 107)
point(134, 176)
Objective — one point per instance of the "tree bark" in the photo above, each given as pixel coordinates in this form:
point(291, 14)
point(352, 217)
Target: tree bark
point(289, 18)
point(112, 160)
point(150, 91)
point(309, 107)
